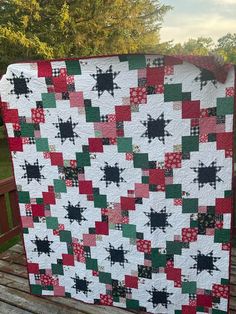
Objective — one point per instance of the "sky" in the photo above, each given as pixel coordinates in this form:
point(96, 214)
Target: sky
point(196, 18)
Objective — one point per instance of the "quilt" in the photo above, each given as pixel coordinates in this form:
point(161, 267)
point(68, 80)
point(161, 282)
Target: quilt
point(123, 167)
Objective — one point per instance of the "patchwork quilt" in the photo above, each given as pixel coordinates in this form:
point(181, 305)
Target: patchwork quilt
point(123, 166)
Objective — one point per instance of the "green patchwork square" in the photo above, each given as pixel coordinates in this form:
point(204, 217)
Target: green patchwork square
point(105, 278)
point(42, 145)
point(27, 129)
point(132, 304)
point(172, 92)
point(136, 62)
point(129, 231)
point(225, 105)
point(124, 144)
point(92, 264)
point(57, 269)
point(73, 67)
point(92, 114)
point(190, 205)
point(174, 191)
point(36, 289)
point(23, 197)
point(65, 236)
point(215, 311)
point(52, 222)
point(100, 201)
point(189, 287)
point(190, 144)
point(141, 161)
point(59, 185)
point(49, 100)
point(173, 247)
point(158, 259)
point(83, 159)
point(222, 235)
point(224, 281)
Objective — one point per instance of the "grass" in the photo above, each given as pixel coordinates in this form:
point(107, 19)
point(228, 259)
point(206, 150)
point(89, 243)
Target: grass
point(5, 172)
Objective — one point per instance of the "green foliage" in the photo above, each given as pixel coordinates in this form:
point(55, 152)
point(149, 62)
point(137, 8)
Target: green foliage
point(38, 29)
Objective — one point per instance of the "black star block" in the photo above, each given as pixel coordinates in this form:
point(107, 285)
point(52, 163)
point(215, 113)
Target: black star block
point(105, 81)
point(66, 130)
point(155, 128)
point(205, 262)
point(159, 297)
point(81, 285)
point(75, 212)
point(116, 255)
point(112, 174)
point(20, 85)
point(158, 220)
point(207, 174)
point(42, 246)
point(32, 172)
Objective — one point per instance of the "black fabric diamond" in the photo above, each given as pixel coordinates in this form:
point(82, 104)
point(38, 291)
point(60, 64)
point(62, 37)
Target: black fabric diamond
point(42, 246)
point(155, 128)
point(207, 174)
point(205, 262)
point(20, 85)
point(105, 81)
point(32, 171)
point(75, 212)
point(81, 285)
point(159, 297)
point(116, 255)
point(158, 220)
point(66, 130)
point(112, 174)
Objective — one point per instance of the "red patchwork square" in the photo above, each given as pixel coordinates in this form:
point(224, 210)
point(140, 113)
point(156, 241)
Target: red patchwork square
point(204, 300)
point(191, 109)
point(60, 84)
point(127, 203)
point(157, 176)
point(56, 159)
point(123, 113)
point(155, 76)
point(15, 144)
point(49, 198)
point(85, 187)
point(44, 69)
point(173, 160)
point(33, 268)
point(131, 282)
point(76, 99)
point(10, 116)
point(138, 95)
point(224, 140)
point(101, 227)
point(38, 115)
point(38, 210)
point(224, 205)
point(68, 259)
point(95, 145)
point(188, 309)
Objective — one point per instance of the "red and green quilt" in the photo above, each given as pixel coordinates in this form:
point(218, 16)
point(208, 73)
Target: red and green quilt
point(123, 166)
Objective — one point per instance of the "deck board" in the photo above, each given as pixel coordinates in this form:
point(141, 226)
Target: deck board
point(15, 296)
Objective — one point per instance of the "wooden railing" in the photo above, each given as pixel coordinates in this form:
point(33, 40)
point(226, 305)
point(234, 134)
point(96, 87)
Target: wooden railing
point(9, 211)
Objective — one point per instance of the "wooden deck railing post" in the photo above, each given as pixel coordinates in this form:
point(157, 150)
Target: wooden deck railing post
point(8, 230)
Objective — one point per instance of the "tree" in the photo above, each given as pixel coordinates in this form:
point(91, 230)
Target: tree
point(59, 28)
point(201, 46)
point(226, 47)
